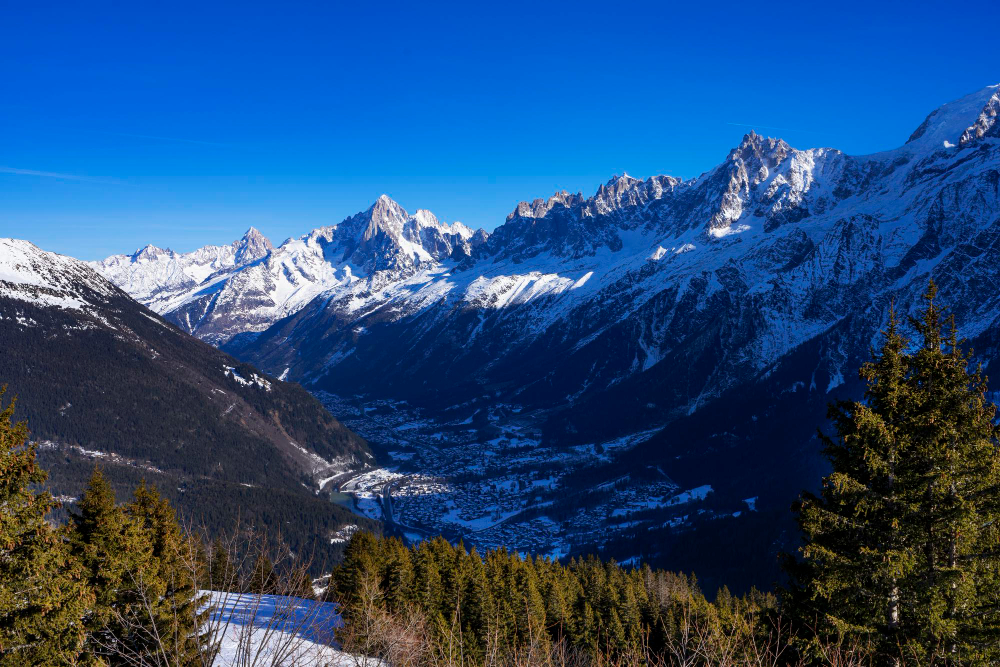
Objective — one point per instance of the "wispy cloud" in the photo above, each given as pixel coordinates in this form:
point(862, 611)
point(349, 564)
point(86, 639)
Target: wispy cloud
point(53, 174)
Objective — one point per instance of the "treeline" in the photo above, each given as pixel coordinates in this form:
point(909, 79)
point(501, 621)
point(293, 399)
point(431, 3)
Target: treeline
point(301, 521)
point(439, 603)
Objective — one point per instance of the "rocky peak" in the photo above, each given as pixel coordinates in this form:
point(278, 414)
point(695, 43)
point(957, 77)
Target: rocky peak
point(252, 246)
point(539, 208)
point(619, 184)
point(150, 252)
point(385, 216)
point(758, 150)
point(986, 124)
point(736, 181)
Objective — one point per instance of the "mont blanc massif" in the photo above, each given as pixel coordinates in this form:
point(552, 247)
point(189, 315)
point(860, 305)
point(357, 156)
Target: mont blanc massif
point(638, 373)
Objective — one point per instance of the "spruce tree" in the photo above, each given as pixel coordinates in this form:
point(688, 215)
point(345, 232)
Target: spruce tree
point(958, 505)
point(43, 594)
point(263, 579)
point(120, 569)
point(174, 617)
point(855, 557)
point(222, 576)
point(901, 548)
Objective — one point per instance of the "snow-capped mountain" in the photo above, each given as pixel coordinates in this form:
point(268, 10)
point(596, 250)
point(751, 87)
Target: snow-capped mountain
point(216, 292)
point(717, 315)
point(100, 378)
point(151, 271)
point(771, 248)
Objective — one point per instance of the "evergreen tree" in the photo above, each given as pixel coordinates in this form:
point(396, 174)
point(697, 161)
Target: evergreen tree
point(855, 556)
point(222, 576)
point(397, 578)
point(43, 594)
point(263, 579)
point(173, 623)
point(958, 507)
point(901, 547)
point(427, 579)
point(118, 560)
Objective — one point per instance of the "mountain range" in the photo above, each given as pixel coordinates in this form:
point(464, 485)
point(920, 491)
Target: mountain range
point(688, 332)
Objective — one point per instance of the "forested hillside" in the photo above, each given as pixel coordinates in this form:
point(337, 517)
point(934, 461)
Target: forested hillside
point(101, 379)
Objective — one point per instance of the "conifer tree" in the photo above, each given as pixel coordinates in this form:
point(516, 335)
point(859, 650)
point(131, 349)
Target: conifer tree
point(427, 579)
point(222, 576)
point(43, 594)
point(854, 555)
point(120, 569)
point(397, 578)
point(263, 579)
point(173, 623)
point(958, 505)
point(901, 547)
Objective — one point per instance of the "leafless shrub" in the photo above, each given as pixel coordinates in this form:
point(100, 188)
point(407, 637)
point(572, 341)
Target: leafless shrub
point(373, 635)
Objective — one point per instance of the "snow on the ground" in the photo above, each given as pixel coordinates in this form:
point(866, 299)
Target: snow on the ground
point(276, 630)
point(255, 379)
point(343, 536)
point(697, 493)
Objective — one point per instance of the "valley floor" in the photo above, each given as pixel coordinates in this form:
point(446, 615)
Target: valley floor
point(490, 481)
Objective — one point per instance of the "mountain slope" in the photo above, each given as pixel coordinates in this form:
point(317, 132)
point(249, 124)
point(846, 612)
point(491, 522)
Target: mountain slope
point(101, 378)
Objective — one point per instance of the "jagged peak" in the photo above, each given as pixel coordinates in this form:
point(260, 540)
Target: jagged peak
point(252, 233)
point(386, 203)
point(986, 122)
point(756, 148)
point(252, 246)
point(538, 208)
point(425, 218)
point(623, 178)
point(150, 251)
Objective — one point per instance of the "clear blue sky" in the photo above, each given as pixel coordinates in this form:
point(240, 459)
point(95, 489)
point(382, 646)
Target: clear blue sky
point(183, 124)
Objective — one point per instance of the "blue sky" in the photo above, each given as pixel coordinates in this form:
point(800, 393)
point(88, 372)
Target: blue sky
point(183, 124)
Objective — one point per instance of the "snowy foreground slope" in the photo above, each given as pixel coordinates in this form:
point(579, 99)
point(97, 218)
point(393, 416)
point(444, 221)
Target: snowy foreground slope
point(271, 630)
point(607, 354)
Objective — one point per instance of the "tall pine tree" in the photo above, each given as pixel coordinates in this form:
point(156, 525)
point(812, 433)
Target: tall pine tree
point(43, 594)
point(120, 569)
point(900, 548)
point(174, 616)
point(957, 472)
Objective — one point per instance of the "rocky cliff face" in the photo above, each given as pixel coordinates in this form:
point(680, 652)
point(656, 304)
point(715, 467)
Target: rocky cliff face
point(770, 249)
